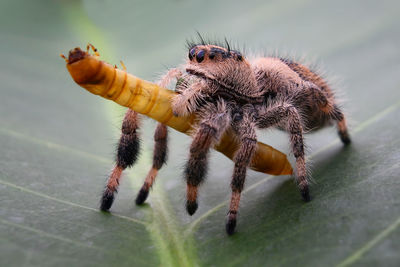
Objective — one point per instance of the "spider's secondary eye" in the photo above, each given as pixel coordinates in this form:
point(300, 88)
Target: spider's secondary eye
point(238, 55)
point(191, 53)
point(211, 55)
point(200, 56)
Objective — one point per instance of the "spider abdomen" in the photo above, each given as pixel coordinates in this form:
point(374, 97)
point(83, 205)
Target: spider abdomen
point(293, 82)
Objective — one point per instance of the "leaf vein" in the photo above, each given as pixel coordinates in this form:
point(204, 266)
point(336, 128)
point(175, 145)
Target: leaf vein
point(26, 190)
point(370, 244)
point(39, 232)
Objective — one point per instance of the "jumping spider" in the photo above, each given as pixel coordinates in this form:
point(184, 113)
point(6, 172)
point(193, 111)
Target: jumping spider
point(227, 91)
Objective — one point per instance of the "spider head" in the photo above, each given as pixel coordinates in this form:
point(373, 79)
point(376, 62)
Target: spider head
point(212, 54)
point(216, 63)
point(221, 66)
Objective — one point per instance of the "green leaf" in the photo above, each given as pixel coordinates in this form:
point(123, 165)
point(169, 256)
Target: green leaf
point(57, 141)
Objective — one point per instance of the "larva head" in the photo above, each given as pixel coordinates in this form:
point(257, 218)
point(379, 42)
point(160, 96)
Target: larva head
point(82, 66)
point(220, 64)
point(76, 54)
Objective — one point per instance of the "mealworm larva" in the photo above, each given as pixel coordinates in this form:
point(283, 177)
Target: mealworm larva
point(103, 79)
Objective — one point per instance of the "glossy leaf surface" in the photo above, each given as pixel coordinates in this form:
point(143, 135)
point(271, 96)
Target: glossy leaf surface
point(57, 141)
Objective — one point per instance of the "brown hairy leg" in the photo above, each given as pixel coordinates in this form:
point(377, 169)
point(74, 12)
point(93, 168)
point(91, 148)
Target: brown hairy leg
point(327, 106)
point(278, 114)
point(245, 129)
point(188, 101)
point(128, 150)
point(127, 153)
point(169, 76)
point(213, 123)
point(160, 144)
point(343, 131)
point(159, 158)
point(319, 97)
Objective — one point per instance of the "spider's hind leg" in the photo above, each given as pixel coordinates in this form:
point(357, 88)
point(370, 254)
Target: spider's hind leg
point(341, 126)
point(327, 106)
point(127, 153)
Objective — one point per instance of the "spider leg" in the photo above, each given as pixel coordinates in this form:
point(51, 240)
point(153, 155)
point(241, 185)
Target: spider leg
point(214, 121)
point(188, 101)
point(159, 158)
point(276, 115)
point(127, 153)
point(343, 131)
point(327, 106)
point(319, 97)
point(160, 146)
point(245, 130)
point(169, 76)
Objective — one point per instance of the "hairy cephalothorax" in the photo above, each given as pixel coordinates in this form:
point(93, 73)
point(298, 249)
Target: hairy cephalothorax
point(229, 92)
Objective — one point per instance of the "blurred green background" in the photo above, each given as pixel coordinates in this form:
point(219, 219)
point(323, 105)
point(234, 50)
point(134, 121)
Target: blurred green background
point(57, 140)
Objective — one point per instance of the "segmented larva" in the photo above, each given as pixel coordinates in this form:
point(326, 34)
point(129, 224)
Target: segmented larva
point(101, 78)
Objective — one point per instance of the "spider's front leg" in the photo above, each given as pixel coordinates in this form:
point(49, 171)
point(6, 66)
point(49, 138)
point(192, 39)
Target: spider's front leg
point(128, 150)
point(288, 112)
point(159, 158)
point(160, 144)
point(215, 118)
point(127, 153)
point(189, 100)
point(245, 129)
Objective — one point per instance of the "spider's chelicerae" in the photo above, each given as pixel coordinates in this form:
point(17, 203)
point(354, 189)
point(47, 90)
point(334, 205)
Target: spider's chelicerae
point(227, 91)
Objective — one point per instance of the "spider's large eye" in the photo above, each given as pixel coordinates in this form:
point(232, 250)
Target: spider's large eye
point(191, 53)
point(200, 56)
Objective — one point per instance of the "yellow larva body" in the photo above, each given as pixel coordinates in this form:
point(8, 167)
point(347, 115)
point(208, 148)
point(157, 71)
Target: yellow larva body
point(147, 98)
